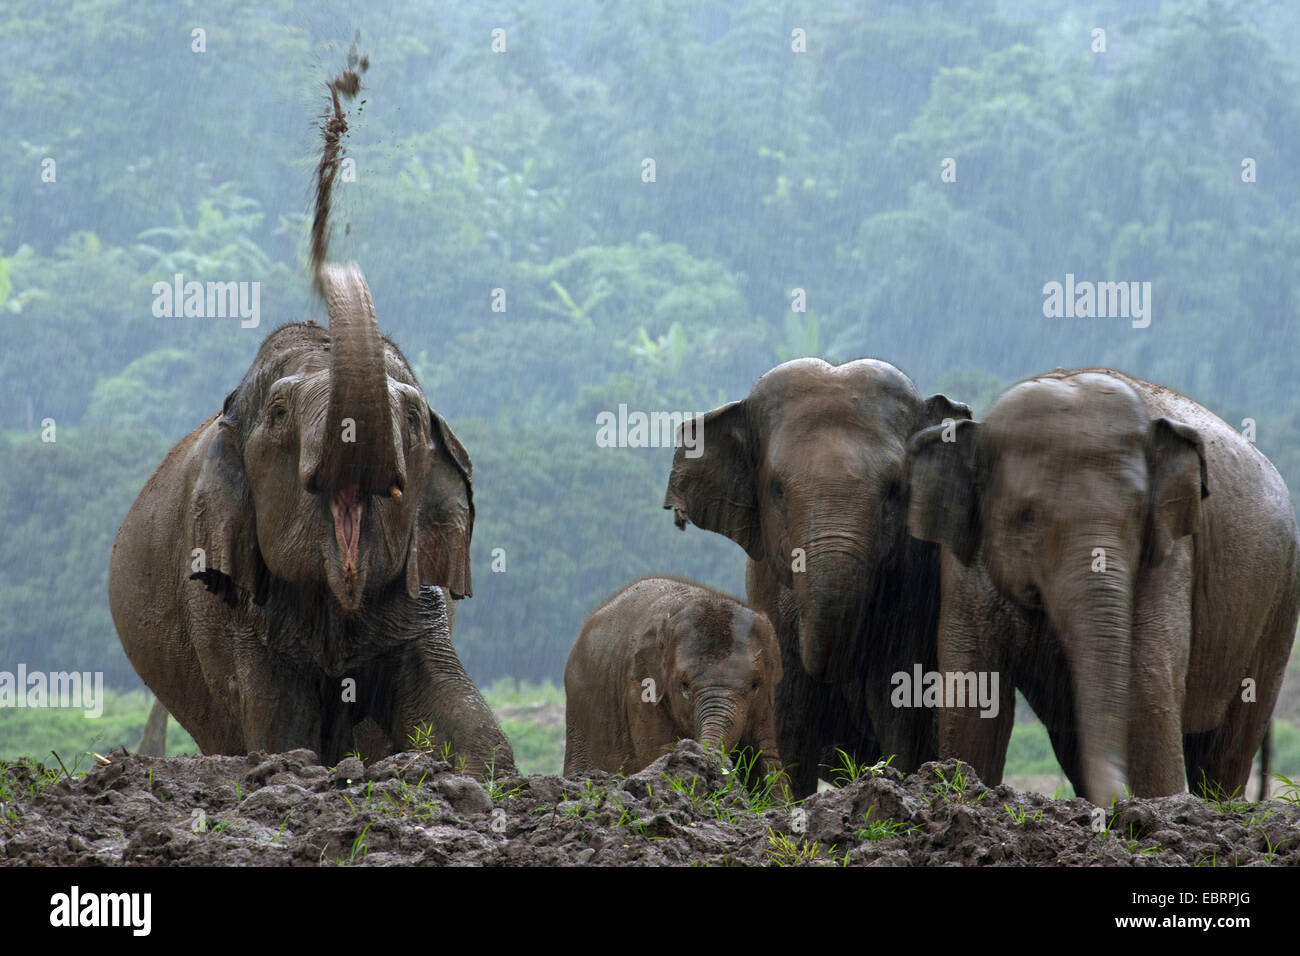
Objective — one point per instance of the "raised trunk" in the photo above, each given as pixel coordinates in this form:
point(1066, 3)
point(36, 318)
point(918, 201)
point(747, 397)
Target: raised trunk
point(358, 455)
point(1093, 615)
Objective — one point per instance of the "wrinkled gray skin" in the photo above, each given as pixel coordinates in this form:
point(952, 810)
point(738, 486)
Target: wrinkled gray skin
point(270, 562)
point(714, 664)
point(1137, 671)
point(813, 459)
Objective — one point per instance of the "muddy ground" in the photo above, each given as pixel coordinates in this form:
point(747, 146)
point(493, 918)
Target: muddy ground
point(685, 809)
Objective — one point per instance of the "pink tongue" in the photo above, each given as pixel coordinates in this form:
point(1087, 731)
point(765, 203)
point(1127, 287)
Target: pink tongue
point(346, 508)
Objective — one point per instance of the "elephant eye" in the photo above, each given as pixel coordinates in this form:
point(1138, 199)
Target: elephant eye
point(412, 419)
point(276, 413)
point(686, 689)
point(1024, 517)
point(778, 492)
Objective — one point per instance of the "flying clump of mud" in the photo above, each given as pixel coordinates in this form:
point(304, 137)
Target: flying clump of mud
point(333, 127)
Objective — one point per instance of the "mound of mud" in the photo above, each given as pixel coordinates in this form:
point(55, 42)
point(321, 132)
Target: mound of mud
point(684, 809)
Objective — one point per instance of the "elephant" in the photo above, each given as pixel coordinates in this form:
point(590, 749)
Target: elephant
point(281, 576)
point(1129, 562)
point(665, 659)
point(806, 474)
point(153, 738)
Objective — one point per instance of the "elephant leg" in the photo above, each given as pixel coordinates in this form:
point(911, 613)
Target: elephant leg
point(973, 642)
point(1065, 745)
point(153, 740)
point(280, 710)
point(910, 734)
point(967, 732)
point(576, 759)
point(857, 738)
point(1225, 754)
point(761, 739)
point(337, 720)
point(370, 740)
point(278, 700)
point(1050, 692)
point(802, 703)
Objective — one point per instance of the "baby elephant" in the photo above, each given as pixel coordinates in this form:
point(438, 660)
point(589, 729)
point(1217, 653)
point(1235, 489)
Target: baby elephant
point(665, 659)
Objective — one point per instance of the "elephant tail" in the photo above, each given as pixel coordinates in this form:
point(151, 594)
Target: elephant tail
point(1264, 752)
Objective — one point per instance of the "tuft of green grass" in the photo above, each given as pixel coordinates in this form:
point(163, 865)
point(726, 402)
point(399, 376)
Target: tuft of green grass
point(782, 851)
point(954, 790)
point(494, 788)
point(848, 770)
point(629, 821)
point(359, 845)
point(1291, 789)
point(1134, 840)
point(1215, 796)
point(883, 829)
point(1020, 814)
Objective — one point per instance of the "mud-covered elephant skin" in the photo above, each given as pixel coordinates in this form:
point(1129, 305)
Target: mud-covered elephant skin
point(1129, 562)
point(662, 660)
point(807, 475)
point(280, 578)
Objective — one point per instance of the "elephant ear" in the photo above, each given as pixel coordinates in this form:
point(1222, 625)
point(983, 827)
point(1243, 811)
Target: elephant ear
point(651, 652)
point(940, 408)
point(712, 481)
point(446, 521)
point(1176, 465)
point(223, 551)
point(943, 503)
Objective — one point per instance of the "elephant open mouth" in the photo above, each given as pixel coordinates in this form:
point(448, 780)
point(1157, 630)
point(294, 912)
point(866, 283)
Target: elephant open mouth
point(346, 505)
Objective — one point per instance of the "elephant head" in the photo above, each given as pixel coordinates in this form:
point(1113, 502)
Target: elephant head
point(717, 663)
point(807, 475)
point(330, 470)
point(1063, 496)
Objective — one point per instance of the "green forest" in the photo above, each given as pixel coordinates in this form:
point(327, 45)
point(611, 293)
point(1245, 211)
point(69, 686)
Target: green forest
point(565, 208)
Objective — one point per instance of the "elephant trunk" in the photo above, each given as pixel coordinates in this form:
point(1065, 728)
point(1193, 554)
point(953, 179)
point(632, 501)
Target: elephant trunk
point(1092, 610)
point(830, 598)
point(358, 453)
point(719, 721)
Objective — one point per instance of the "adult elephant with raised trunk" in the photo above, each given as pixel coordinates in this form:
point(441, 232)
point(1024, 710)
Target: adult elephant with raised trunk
point(1127, 560)
point(807, 475)
point(280, 578)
